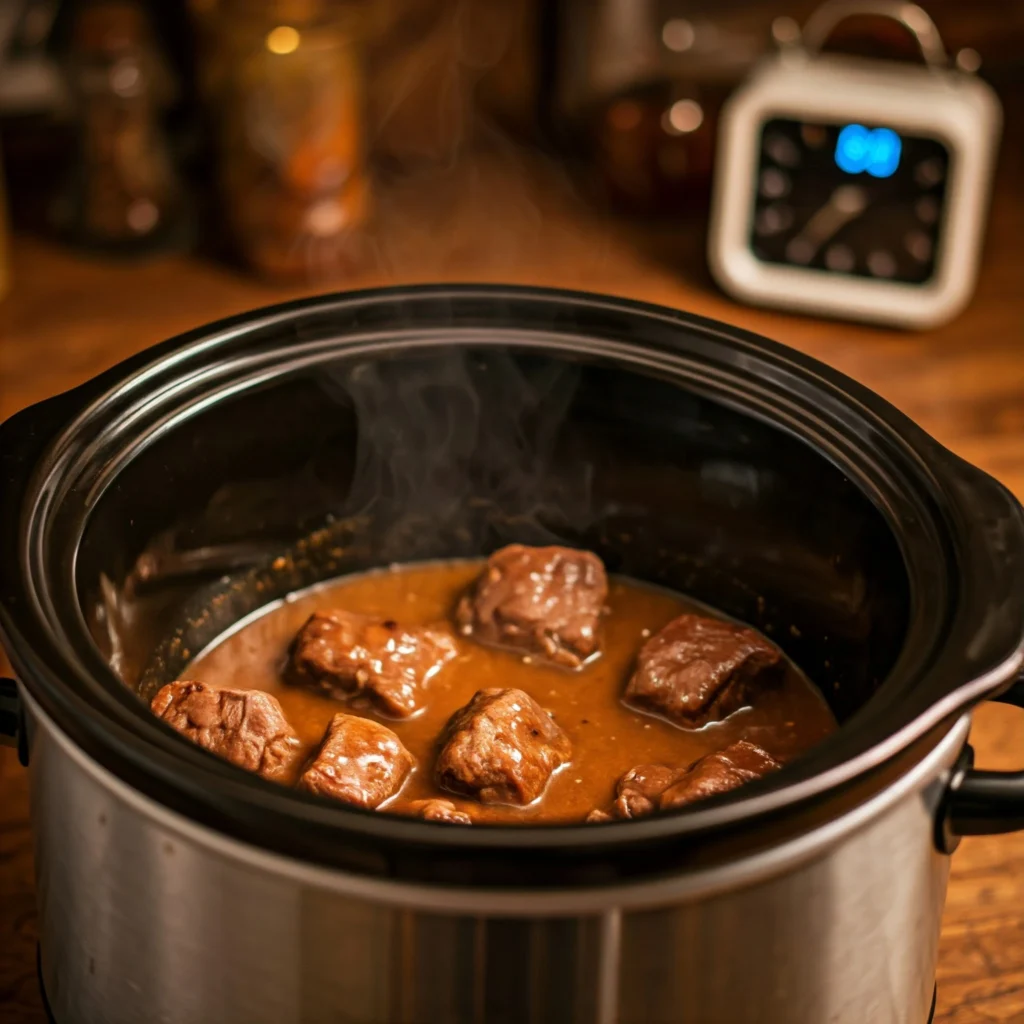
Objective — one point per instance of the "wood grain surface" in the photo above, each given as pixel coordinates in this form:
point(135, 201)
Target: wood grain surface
point(503, 218)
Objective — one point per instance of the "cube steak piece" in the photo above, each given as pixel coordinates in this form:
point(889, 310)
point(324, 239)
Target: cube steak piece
point(657, 787)
point(502, 747)
point(245, 727)
point(360, 762)
point(698, 670)
point(547, 601)
point(638, 791)
point(346, 655)
point(720, 772)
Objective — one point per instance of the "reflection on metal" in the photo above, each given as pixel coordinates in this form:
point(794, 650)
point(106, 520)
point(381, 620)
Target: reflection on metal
point(609, 968)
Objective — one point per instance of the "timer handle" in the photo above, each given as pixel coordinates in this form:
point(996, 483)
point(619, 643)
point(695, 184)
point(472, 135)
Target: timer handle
point(914, 19)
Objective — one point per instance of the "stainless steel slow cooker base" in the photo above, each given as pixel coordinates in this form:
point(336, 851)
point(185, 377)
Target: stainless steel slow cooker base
point(148, 916)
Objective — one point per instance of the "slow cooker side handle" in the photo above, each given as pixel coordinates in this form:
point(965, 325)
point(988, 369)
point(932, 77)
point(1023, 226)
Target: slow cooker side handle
point(23, 439)
point(981, 803)
point(990, 523)
point(12, 719)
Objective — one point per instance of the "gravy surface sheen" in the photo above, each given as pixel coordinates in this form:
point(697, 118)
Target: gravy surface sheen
point(608, 737)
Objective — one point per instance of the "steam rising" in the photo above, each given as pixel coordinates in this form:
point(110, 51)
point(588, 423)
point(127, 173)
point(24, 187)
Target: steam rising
point(462, 450)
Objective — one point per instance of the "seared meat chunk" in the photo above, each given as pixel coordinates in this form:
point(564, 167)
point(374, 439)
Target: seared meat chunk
point(698, 670)
point(440, 810)
point(359, 762)
point(344, 655)
point(720, 772)
point(245, 727)
point(657, 787)
point(544, 600)
point(501, 748)
point(639, 790)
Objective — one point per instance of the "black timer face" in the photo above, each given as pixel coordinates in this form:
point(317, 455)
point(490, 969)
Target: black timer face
point(851, 199)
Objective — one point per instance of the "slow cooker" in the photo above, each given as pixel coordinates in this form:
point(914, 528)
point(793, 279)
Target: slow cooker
point(146, 512)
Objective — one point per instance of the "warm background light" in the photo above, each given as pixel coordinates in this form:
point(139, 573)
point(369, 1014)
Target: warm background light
point(283, 39)
point(684, 116)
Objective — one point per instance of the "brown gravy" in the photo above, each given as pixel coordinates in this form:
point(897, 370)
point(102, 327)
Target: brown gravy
point(608, 737)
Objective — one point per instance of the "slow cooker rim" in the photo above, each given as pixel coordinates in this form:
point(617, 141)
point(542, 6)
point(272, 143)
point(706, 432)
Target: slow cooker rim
point(728, 812)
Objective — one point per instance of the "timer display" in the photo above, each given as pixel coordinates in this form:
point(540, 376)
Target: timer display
point(874, 150)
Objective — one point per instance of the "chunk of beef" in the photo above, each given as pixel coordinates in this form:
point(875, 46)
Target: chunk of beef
point(245, 727)
point(440, 810)
point(346, 655)
point(698, 670)
point(657, 787)
point(720, 772)
point(501, 748)
point(639, 790)
point(359, 762)
point(545, 600)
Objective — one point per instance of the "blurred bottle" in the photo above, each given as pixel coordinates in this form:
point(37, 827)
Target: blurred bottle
point(123, 194)
point(291, 146)
point(653, 146)
point(655, 129)
point(5, 251)
point(634, 87)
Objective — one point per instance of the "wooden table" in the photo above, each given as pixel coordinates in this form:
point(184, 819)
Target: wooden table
point(68, 318)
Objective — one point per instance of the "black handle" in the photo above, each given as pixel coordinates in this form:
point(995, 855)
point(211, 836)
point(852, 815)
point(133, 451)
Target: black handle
point(987, 803)
point(12, 719)
point(981, 803)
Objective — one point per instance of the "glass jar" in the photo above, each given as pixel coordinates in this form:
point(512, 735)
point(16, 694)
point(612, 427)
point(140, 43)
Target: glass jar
point(292, 145)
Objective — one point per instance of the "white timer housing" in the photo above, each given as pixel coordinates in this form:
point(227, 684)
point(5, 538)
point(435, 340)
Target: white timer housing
point(952, 106)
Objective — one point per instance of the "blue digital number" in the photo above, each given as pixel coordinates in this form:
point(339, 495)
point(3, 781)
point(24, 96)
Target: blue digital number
point(875, 150)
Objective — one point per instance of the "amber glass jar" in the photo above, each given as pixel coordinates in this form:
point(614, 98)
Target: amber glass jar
point(293, 176)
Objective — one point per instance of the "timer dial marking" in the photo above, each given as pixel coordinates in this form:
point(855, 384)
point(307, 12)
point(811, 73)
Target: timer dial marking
point(774, 184)
point(840, 258)
point(919, 245)
point(773, 219)
point(927, 210)
point(782, 150)
point(881, 263)
point(928, 173)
